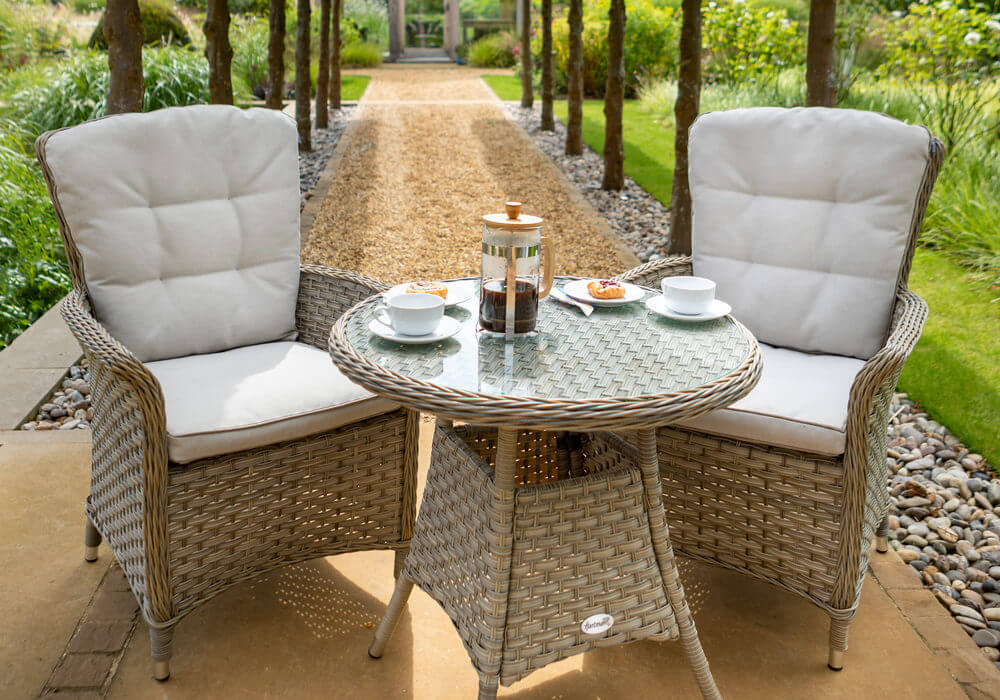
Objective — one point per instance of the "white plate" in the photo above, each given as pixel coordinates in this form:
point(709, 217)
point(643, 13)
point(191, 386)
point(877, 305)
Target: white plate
point(458, 292)
point(446, 328)
point(578, 290)
point(658, 305)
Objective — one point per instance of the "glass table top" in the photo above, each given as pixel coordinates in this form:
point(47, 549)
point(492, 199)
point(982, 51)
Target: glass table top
point(618, 352)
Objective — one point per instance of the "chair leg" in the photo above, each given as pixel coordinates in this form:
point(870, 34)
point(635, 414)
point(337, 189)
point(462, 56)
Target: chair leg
point(91, 541)
point(487, 688)
point(397, 563)
point(392, 613)
point(160, 641)
point(882, 536)
point(838, 643)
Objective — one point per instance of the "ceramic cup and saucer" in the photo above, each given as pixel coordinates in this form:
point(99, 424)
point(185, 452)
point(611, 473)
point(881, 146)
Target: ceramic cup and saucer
point(690, 299)
point(413, 319)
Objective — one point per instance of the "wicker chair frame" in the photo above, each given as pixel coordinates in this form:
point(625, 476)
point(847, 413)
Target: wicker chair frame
point(800, 521)
point(182, 534)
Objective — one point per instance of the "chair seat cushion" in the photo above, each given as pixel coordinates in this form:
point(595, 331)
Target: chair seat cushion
point(254, 396)
point(800, 403)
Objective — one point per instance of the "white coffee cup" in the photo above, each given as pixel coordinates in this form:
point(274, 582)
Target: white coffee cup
point(688, 295)
point(411, 314)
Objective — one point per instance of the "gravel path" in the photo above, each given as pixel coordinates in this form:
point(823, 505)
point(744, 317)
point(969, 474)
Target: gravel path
point(416, 177)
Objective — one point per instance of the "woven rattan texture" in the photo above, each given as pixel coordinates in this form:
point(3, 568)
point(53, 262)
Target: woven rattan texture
point(234, 517)
point(577, 546)
point(801, 521)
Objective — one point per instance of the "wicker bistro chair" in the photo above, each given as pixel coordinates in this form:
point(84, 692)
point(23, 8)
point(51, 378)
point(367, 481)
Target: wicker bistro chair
point(807, 220)
point(225, 443)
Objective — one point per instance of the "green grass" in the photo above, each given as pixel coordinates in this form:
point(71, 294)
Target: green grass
point(954, 372)
point(353, 86)
point(649, 145)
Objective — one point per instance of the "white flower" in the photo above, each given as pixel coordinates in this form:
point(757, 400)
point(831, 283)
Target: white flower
point(972, 38)
point(993, 25)
point(785, 23)
point(897, 13)
point(944, 5)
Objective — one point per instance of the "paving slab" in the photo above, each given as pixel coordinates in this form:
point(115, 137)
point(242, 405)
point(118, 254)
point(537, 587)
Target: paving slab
point(46, 583)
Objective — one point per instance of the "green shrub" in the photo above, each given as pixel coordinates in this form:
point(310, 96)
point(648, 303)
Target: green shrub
point(28, 31)
point(86, 6)
point(33, 273)
point(249, 37)
point(160, 26)
point(236, 7)
point(651, 32)
point(369, 18)
point(493, 50)
point(74, 90)
point(748, 42)
point(361, 54)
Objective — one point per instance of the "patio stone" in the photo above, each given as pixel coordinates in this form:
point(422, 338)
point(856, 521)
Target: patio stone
point(113, 606)
point(82, 671)
point(100, 636)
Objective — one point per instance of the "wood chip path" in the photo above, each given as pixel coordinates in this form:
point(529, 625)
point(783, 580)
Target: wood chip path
point(432, 152)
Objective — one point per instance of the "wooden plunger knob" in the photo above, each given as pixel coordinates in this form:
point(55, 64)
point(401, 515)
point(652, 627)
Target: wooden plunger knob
point(513, 210)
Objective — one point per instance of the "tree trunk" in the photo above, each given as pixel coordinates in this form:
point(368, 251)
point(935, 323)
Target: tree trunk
point(276, 55)
point(685, 112)
point(821, 77)
point(614, 99)
point(548, 86)
point(527, 94)
point(323, 71)
point(302, 83)
point(123, 32)
point(335, 55)
point(218, 52)
point(574, 74)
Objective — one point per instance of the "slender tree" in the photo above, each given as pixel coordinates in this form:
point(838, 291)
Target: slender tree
point(821, 79)
point(527, 94)
point(218, 52)
point(338, 6)
point(323, 72)
point(302, 82)
point(574, 73)
point(614, 99)
point(123, 32)
point(276, 55)
point(548, 86)
point(685, 112)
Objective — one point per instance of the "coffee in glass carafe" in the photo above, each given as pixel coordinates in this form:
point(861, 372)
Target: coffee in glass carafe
point(513, 277)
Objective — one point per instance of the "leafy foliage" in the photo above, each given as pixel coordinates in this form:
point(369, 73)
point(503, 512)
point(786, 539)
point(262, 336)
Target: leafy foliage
point(33, 272)
point(361, 54)
point(746, 42)
point(160, 26)
point(493, 50)
point(29, 31)
point(249, 37)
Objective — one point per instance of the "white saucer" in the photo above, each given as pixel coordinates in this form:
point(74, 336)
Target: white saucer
point(459, 291)
point(578, 290)
point(658, 305)
point(446, 328)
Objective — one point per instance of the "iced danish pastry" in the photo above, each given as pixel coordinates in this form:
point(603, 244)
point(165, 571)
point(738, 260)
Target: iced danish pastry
point(435, 288)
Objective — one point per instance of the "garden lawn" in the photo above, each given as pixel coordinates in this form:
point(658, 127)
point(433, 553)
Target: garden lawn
point(352, 87)
point(954, 372)
point(649, 146)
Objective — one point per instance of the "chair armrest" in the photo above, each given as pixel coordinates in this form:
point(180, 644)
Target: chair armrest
point(324, 295)
point(649, 274)
point(865, 469)
point(129, 453)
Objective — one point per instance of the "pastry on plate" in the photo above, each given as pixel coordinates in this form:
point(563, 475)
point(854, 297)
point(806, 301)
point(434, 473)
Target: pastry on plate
point(435, 288)
point(605, 289)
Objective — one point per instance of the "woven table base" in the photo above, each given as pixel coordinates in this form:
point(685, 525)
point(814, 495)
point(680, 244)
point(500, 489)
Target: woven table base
point(519, 558)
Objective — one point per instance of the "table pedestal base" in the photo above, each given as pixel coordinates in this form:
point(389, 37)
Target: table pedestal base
point(545, 547)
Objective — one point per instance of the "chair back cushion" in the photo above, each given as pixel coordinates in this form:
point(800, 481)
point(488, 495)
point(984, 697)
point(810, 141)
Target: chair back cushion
point(803, 218)
point(184, 223)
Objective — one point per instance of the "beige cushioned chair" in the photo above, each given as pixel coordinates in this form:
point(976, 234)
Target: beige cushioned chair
point(807, 221)
point(225, 442)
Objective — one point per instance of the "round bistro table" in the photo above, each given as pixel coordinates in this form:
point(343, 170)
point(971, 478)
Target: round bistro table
point(542, 533)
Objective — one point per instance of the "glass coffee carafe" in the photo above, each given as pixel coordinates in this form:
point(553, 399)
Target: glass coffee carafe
point(512, 276)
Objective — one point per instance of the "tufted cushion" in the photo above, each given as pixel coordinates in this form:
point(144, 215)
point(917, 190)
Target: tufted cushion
point(802, 217)
point(255, 396)
point(187, 223)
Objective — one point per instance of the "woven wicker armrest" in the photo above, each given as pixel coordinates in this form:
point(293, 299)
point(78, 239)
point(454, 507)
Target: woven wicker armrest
point(649, 274)
point(324, 295)
point(129, 454)
point(864, 496)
